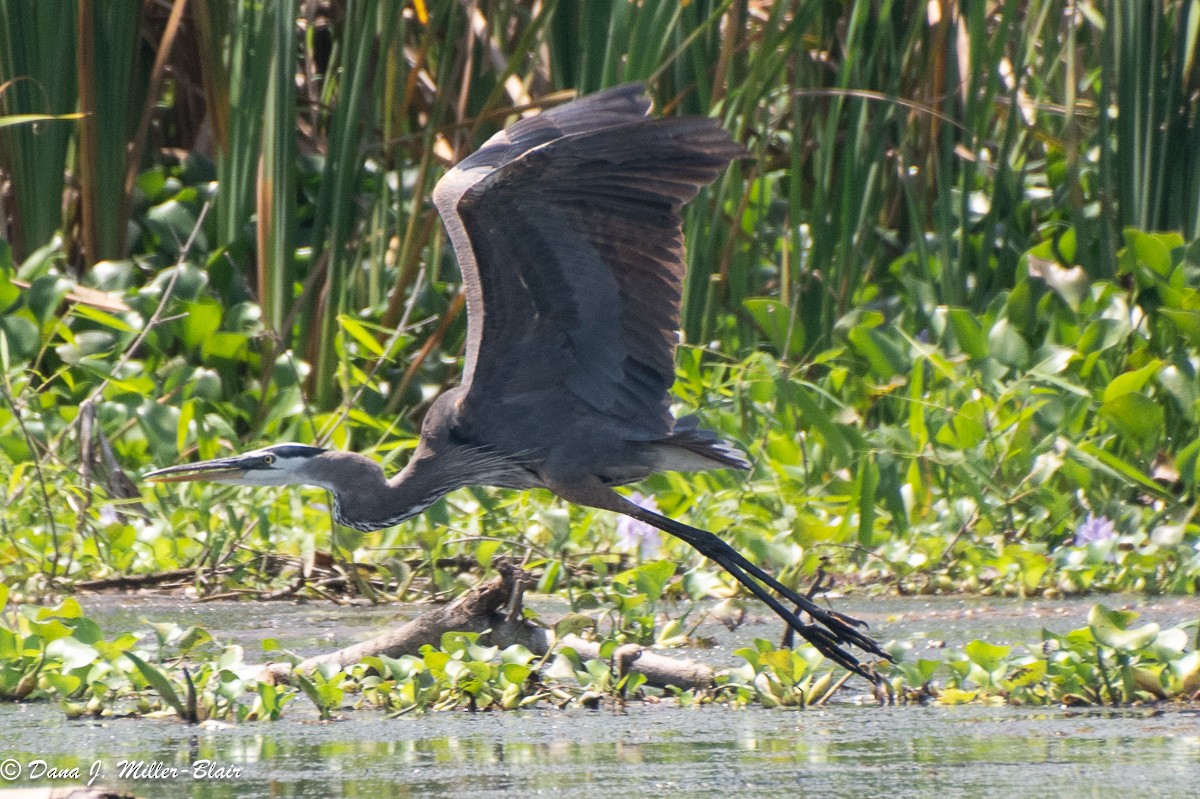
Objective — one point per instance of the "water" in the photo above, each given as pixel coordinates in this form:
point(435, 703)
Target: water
point(840, 750)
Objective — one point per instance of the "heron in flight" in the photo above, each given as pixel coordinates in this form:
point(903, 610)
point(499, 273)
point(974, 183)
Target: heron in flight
point(568, 234)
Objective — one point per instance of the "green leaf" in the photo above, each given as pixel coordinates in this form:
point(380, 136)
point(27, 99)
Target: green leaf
point(1094, 456)
point(988, 657)
point(573, 623)
point(1136, 415)
point(837, 437)
point(74, 653)
point(1111, 628)
point(881, 353)
point(160, 683)
point(1131, 382)
point(485, 551)
point(21, 336)
point(358, 331)
point(515, 673)
point(102, 318)
point(652, 578)
point(1186, 322)
point(1008, 345)
point(968, 332)
point(778, 322)
point(202, 320)
point(1152, 250)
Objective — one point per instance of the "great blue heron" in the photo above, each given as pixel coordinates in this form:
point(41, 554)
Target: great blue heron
point(568, 234)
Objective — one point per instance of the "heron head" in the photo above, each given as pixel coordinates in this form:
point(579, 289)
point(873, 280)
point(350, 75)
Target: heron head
point(278, 465)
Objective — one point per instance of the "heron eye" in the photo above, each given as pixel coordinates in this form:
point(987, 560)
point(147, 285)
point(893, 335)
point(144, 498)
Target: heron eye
point(268, 459)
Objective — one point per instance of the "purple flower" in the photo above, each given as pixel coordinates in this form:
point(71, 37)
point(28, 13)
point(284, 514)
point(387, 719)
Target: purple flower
point(636, 536)
point(1095, 531)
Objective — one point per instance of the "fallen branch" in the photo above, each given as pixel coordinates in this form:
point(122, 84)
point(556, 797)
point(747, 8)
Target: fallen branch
point(495, 606)
point(130, 582)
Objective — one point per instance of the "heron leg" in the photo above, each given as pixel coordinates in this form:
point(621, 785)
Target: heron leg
point(831, 631)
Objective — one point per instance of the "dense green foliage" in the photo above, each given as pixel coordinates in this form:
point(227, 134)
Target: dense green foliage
point(949, 302)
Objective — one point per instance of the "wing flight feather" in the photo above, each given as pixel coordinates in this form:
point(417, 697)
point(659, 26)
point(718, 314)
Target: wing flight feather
point(568, 234)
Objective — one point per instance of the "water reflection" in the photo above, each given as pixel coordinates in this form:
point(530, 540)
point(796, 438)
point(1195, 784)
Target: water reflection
point(963, 752)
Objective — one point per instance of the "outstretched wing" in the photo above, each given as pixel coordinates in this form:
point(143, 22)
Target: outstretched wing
point(567, 230)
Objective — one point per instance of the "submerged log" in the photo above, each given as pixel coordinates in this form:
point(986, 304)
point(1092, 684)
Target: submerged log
point(495, 606)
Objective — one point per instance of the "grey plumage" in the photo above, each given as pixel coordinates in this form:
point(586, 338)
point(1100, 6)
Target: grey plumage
point(568, 233)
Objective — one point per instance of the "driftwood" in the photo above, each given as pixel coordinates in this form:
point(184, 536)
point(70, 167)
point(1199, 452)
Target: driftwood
point(132, 582)
point(495, 606)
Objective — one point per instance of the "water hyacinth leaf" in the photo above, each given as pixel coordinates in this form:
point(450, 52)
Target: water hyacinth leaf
point(700, 583)
point(652, 578)
point(1136, 415)
point(1186, 322)
point(1008, 345)
point(1131, 382)
point(1187, 671)
point(1149, 680)
point(1170, 644)
point(956, 696)
point(1111, 628)
point(73, 653)
point(195, 636)
point(517, 654)
point(1152, 250)
point(226, 346)
point(1028, 674)
point(1055, 362)
point(671, 634)
point(988, 657)
point(173, 223)
point(69, 608)
point(87, 631)
point(515, 673)
point(572, 624)
point(62, 684)
point(21, 336)
point(1102, 334)
point(202, 319)
point(1180, 388)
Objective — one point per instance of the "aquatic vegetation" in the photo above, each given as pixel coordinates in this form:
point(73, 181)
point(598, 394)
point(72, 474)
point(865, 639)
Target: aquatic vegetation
point(59, 654)
point(1108, 662)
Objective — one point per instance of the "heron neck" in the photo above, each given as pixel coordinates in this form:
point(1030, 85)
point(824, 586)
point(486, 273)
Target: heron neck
point(367, 501)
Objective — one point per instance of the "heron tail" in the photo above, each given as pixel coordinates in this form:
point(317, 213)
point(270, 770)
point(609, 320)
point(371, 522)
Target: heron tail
point(695, 440)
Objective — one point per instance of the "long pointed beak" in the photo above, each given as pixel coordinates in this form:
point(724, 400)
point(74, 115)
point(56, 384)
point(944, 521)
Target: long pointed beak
point(205, 470)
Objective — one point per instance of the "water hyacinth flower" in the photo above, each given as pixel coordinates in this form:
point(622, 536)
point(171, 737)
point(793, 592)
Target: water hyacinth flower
point(636, 536)
point(1095, 530)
